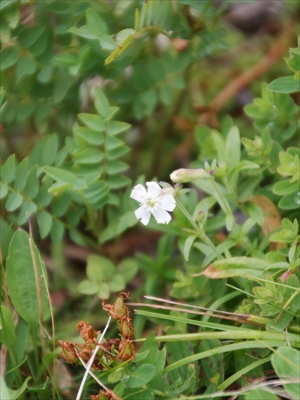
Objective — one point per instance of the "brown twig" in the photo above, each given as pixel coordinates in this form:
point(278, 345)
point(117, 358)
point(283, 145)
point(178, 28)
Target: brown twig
point(277, 51)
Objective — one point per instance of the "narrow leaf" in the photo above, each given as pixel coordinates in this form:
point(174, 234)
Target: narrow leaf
point(21, 279)
point(236, 266)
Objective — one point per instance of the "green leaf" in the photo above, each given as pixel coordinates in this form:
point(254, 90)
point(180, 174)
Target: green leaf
point(212, 366)
point(93, 121)
point(128, 267)
point(25, 66)
point(99, 268)
point(50, 149)
point(188, 245)
point(179, 379)
point(4, 4)
point(60, 175)
point(155, 357)
point(140, 376)
point(57, 231)
point(165, 94)
point(29, 35)
point(117, 152)
point(4, 390)
point(117, 181)
point(124, 39)
point(27, 209)
point(3, 190)
point(261, 394)
point(43, 197)
point(21, 174)
point(117, 226)
point(62, 83)
point(95, 23)
point(13, 201)
point(84, 32)
point(60, 204)
point(8, 169)
point(65, 59)
point(117, 283)
point(101, 103)
point(87, 287)
point(112, 142)
point(89, 135)
point(220, 146)
point(32, 185)
point(21, 278)
point(103, 291)
point(116, 127)
point(116, 166)
point(9, 56)
point(233, 148)
point(236, 266)
point(45, 74)
point(7, 330)
point(285, 361)
point(285, 187)
point(88, 156)
point(44, 220)
point(285, 84)
point(255, 211)
point(290, 202)
point(6, 393)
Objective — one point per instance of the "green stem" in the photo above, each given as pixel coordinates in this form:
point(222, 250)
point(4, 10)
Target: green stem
point(209, 243)
point(199, 231)
point(154, 29)
point(187, 215)
point(225, 206)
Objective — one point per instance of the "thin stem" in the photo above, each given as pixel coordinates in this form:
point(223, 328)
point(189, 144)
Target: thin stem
point(209, 243)
point(199, 231)
point(95, 377)
point(228, 212)
point(224, 204)
point(91, 360)
point(187, 215)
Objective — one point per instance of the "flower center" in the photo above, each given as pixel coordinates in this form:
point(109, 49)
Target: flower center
point(152, 203)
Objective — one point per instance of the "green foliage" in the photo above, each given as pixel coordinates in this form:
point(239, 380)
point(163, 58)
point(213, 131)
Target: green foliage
point(104, 277)
point(74, 180)
point(286, 364)
point(289, 84)
point(95, 96)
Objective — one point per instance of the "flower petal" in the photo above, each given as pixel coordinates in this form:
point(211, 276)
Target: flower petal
point(142, 214)
point(167, 202)
point(154, 189)
point(139, 193)
point(161, 216)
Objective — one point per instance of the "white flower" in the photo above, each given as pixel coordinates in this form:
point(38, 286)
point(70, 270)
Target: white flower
point(156, 201)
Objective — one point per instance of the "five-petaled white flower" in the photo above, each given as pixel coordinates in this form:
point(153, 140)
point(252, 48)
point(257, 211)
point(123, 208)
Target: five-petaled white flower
point(156, 201)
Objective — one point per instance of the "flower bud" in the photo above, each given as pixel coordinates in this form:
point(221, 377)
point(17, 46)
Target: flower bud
point(200, 217)
point(188, 175)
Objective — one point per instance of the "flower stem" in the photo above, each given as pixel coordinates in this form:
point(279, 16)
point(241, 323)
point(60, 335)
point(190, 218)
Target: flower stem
point(187, 214)
point(225, 206)
point(200, 232)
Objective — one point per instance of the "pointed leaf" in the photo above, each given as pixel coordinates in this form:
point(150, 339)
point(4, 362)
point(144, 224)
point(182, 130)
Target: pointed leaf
point(13, 201)
point(8, 169)
point(93, 121)
point(44, 220)
point(21, 277)
point(236, 266)
point(101, 103)
point(286, 364)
